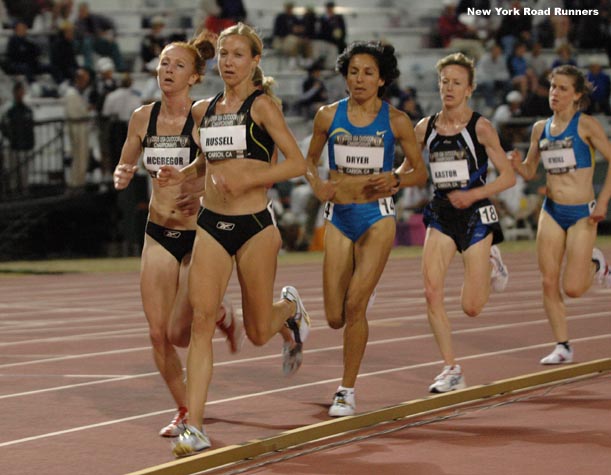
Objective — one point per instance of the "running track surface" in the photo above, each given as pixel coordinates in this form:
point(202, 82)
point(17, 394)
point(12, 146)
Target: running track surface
point(79, 393)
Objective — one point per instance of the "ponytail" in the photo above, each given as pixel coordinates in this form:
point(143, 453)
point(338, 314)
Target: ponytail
point(265, 83)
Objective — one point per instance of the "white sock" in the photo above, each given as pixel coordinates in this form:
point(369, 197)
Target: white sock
point(349, 391)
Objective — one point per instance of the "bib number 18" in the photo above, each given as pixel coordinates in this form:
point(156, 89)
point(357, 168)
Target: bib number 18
point(488, 214)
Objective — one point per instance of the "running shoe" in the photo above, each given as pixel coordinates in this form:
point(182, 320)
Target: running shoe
point(560, 355)
point(344, 404)
point(449, 379)
point(292, 353)
point(500, 274)
point(300, 321)
point(234, 331)
point(190, 441)
point(173, 428)
point(602, 274)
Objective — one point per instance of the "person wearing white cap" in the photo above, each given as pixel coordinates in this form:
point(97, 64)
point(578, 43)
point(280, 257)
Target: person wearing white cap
point(510, 108)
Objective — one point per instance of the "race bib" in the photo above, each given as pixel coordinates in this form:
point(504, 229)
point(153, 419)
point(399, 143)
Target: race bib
point(450, 172)
point(359, 154)
point(387, 206)
point(220, 143)
point(559, 161)
point(155, 158)
point(487, 214)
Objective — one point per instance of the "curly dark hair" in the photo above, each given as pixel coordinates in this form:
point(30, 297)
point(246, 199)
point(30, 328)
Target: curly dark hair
point(383, 53)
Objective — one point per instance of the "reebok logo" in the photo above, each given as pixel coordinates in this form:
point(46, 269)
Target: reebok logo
point(223, 226)
point(171, 234)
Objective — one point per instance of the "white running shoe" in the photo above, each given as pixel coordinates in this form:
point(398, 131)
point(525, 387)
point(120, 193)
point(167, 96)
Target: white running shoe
point(560, 355)
point(232, 329)
point(190, 441)
point(174, 427)
point(449, 379)
point(344, 404)
point(292, 354)
point(300, 322)
point(602, 274)
point(500, 274)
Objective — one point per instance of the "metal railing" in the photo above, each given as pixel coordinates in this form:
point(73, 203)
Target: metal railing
point(45, 165)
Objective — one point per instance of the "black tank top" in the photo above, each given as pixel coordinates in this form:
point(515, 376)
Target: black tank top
point(234, 135)
point(174, 150)
point(457, 161)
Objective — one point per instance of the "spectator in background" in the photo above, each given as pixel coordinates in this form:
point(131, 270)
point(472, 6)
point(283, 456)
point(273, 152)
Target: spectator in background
point(311, 24)
point(564, 56)
point(150, 91)
point(314, 92)
point(601, 88)
point(95, 33)
point(333, 27)
point(77, 110)
point(459, 33)
point(518, 68)
point(23, 10)
point(536, 103)
point(288, 36)
point(232, 10)
point(63, 52)
point(221, 14)
point(105, 82)
point(117, 110)
point(408, 103)
point(536, 62)
point(492, 75)
point(18, 127)
point(510, 133)
point(154, 41)
point(514, 29)
point(23, 55)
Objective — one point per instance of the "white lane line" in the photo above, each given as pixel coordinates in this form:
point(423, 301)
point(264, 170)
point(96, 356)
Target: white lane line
point(273, 356)
point(284, 389)
point(469, 330)
point(78, 336)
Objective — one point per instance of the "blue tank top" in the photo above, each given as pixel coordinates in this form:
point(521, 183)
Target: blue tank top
point(457, 162)
point(361, 150)
point(565, 152)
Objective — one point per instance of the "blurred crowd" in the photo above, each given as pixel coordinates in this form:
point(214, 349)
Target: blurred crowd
point(68, 50)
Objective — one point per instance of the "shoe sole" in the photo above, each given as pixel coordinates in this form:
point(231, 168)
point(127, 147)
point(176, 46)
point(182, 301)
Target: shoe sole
point(181, 451)
point(455, 388)
point(333, 414)
point(295, 360)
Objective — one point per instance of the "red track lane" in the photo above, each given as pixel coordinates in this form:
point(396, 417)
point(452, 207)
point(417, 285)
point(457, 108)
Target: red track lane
point(79, 392)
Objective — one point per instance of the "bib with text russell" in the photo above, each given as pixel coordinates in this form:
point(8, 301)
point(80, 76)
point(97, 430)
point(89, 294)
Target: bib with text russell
point(223, 136)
